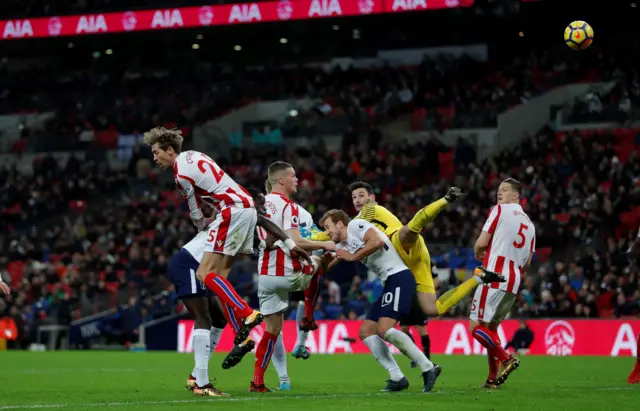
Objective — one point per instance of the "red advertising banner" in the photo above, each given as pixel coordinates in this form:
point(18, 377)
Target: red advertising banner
point(205, 16)
point(551, 337)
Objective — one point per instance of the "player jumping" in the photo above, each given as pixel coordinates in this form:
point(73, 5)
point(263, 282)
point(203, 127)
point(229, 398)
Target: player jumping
point(634, 253)
point(359, 240)
point(506, 245)
point(411, 247)
point(279, 273)
point(210, 317)
point(304, 317)
point(231, 232)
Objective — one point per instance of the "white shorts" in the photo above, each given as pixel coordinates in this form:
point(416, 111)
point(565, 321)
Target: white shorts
point(273, 291)
point(232, 232)
point(491, 305)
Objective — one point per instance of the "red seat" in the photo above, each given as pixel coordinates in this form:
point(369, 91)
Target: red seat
point(16, 271)
point(543, 254)
point(78, 206)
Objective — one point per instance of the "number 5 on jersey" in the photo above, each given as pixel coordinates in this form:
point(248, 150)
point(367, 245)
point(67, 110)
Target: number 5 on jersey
point(212, 235)
point(522, 239)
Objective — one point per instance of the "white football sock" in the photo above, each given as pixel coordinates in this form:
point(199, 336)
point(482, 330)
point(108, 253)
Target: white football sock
point(214, 337)
point(302, 335)
point(403, 342)
point(201, 351)
point(382, 354)
point(279, 359)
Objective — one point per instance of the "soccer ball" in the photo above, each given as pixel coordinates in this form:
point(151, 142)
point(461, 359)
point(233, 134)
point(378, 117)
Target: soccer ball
point(578, 35)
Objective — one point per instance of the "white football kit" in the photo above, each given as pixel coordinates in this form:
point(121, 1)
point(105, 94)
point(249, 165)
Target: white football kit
point(201, 179)
point(384, 262)
point(513, 241)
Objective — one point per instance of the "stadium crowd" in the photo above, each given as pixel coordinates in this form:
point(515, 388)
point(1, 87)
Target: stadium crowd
point(112, 251)
point(96, 101)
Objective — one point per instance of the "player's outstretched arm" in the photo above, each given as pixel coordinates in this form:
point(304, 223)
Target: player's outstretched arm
point(309, 245)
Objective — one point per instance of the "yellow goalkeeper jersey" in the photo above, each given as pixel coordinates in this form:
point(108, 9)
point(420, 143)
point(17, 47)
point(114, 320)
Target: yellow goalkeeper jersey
point(379, 216)
point(374, 213)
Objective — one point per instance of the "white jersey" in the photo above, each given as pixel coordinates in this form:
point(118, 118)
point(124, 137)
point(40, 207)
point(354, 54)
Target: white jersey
point(285, 214)
point(384, 262)
point(195, 247)
point(513, 240)
point(199, 178)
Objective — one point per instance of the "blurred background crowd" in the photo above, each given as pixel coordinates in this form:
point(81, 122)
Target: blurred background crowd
point(88, 223)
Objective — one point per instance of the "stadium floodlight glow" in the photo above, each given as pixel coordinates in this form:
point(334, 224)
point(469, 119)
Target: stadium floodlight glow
point(283, 40)
point(109, 51)
point(237, 48)
point(195, 46)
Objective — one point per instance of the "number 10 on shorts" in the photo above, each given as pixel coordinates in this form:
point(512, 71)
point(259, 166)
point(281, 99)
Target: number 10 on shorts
point(391, 297)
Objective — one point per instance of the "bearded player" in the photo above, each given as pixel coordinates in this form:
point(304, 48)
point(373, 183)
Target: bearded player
point(411, 247)
point(634, 253)
point(506, 246)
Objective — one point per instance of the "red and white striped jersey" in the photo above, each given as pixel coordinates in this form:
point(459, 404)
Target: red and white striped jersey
point(199, 178)
point(513, 241)
point(285, 214)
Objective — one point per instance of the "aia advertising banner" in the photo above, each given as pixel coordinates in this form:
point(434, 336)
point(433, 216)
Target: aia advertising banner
point(206, 15)
point(551, 337)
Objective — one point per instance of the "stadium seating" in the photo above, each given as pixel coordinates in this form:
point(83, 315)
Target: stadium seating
point(580, 191)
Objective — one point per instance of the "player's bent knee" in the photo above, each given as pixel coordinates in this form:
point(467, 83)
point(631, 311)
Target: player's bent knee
point(382, 330)
point(273, 323)
point(367, 329)
point(428, 303)
point(473, 324)
point(201, 319)
point(218, 322)
point(407, 236)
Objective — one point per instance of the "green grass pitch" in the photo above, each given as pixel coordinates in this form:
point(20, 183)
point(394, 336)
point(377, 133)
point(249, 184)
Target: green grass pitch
point(155, 381)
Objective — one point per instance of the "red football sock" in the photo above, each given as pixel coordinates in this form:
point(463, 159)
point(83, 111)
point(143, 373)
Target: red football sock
point(494, 365)
point(311, 295)
point(638, 350)
point(490, 341)
point(227, 294)
point(263, 357)
point(231, 318)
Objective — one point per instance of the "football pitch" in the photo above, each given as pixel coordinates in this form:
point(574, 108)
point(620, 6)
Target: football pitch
point(155, 381)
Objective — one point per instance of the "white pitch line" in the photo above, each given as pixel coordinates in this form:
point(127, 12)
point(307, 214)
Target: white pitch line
point(278, 398)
